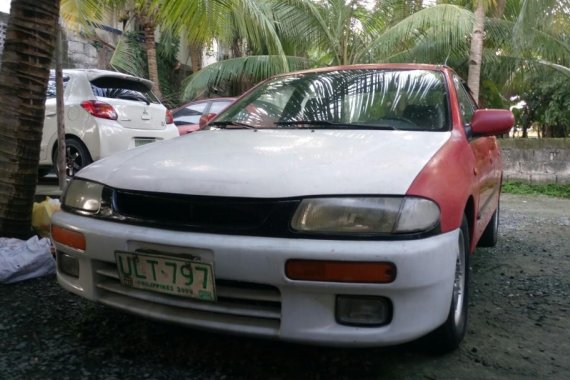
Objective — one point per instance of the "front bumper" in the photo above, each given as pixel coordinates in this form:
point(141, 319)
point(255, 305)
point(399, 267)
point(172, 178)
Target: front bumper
point(258, 299)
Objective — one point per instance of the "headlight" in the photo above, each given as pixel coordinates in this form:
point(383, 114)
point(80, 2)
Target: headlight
point(84, 196)
point(366, 215)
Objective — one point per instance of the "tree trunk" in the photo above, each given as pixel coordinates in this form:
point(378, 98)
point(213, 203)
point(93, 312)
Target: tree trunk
point(28, 50)
point(418, 6)
point(476, 52)
point(196, 56)
point(527, 122)
point(500, 9)
point(60, 111)
point(237, 50)
point(149, 29)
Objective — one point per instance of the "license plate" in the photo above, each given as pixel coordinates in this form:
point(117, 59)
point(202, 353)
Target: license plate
point(167, 274)
point(139, 142)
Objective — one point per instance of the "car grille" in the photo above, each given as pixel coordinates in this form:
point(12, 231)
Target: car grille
point(255, 308)
point(246, 216)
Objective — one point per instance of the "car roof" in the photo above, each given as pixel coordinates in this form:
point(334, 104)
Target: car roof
point(93, 74)
point(225, 99)
point(372, 66)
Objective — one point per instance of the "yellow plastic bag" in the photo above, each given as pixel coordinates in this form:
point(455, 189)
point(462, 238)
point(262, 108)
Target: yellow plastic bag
point(41, 215)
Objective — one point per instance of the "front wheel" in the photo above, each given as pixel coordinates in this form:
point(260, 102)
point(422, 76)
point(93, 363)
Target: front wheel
point(76, 157)
point(448, 336)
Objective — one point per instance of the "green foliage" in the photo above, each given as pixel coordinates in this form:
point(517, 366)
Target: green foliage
point(167, 50)
point(229, 77)
point(529, 36)
point(553, 190)
point(548, 100)
point(490, 96)
point(130, 57)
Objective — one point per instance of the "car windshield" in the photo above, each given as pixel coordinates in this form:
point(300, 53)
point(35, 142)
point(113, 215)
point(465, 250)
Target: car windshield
point(345, 99)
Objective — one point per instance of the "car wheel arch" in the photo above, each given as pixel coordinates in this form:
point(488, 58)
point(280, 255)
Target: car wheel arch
point(68, 136)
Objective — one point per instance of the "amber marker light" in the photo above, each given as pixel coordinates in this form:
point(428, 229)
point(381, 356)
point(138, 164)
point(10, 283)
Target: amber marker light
point(68, 237)
point(340, 271)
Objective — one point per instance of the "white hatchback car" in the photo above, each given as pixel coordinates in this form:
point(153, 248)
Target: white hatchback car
point(105, 112)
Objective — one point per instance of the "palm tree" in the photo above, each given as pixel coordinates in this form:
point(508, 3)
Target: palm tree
point(283, 36)
point(336, 32)
point(28, 50)
point(146, 12)
point(476, 51)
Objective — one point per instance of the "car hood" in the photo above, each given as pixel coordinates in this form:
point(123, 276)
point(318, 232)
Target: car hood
point(273, 163)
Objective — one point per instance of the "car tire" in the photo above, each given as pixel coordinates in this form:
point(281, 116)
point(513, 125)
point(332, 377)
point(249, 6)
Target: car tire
point(76, 157)
point(447, 337)
point(491, 233)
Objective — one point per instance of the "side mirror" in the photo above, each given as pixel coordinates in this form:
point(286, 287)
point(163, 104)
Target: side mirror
point(492, 122)
point(205, 119)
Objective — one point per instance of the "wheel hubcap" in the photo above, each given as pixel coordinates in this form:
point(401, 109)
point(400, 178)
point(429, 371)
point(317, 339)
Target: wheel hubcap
point(73, 161)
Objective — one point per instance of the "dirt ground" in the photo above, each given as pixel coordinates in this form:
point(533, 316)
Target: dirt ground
point(519, 326)
point(520, 306)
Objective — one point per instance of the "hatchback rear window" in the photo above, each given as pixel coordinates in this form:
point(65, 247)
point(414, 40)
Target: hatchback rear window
point(117, 88)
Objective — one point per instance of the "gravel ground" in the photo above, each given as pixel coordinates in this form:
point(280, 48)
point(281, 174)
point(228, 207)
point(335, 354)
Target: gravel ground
point(519, 326)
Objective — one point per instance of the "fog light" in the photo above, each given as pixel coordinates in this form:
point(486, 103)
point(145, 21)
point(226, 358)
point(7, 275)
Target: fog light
point(68, 264)
point(363, 310)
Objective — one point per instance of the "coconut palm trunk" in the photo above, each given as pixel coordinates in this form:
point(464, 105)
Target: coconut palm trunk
point(196, 50)
point(149, 29)
point(500, 8)
point(28, 50)
point(476, 52)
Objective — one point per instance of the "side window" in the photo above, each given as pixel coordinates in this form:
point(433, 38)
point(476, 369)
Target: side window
point(190, 114)
point(466, 104)
point(217, 107)
point(50, 92)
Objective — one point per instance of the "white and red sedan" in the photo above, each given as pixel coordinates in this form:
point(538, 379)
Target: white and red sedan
point(336, 206)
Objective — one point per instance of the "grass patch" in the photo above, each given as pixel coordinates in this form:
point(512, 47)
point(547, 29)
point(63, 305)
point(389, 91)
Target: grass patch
point(551, 189)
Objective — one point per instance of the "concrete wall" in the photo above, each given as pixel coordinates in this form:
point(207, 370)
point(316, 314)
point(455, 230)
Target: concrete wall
point(536, 160)
point(79, 51)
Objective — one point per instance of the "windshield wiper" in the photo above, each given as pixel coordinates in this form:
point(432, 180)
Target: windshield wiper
point(325, 124)
point(224, 124)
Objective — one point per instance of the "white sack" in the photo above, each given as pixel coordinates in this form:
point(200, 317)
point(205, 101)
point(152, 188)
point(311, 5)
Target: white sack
point(22, 260)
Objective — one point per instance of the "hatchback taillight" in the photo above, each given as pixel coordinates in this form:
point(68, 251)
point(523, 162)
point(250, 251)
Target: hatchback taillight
point(100, 109)
point(169, 118)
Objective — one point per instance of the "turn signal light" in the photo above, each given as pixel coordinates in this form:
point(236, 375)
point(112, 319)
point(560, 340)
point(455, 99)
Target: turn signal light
point(68, 237)
point(340, 271)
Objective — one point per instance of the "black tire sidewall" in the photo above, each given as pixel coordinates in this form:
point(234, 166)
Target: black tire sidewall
point(77, 145)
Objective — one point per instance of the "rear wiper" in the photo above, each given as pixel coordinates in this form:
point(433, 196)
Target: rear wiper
point(224, 124)
point(325, 124)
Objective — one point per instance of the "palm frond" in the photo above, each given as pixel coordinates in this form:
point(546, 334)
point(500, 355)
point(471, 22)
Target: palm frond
point(451, 24)
point(127, 58)
point(78, 14)
point(251, 69)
